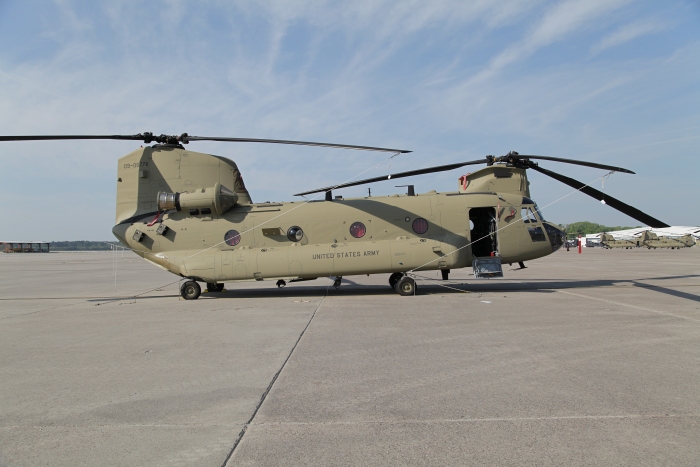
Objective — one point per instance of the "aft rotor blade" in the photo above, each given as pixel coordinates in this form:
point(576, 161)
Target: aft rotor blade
point(439, 168)
point(614, 203)
point(186, 139)
point(577, 162)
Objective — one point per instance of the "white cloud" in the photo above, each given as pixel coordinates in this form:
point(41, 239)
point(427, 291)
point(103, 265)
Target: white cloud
point(628, 33)
point(561, 21)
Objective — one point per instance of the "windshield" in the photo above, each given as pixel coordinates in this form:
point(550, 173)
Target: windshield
point(539, 214)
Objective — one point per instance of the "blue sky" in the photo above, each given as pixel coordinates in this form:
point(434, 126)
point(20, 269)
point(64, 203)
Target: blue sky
point(612, 81)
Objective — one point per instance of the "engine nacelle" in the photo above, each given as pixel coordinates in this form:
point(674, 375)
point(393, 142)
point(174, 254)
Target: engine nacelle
point(218, 198)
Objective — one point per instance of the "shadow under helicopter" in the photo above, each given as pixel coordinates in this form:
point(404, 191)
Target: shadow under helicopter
point(351, 288)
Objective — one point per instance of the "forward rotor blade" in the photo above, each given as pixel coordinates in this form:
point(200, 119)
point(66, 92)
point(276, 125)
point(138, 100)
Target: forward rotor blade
point(439, 168)
point(138, 137)
point(184, 138)
point(577, 162)
point(614, 203)
point(187, 139)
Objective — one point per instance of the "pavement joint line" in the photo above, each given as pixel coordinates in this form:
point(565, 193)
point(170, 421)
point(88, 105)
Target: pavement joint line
point(628, 305)
point(131, 425)
point(40, 311)
point(272, 382)
point(476, 420)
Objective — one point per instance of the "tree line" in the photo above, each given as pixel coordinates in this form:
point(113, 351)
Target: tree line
point(586, 228)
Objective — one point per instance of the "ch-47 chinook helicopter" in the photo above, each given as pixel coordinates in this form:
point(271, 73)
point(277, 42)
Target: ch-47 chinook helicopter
point(191, 214)
point(648, 240)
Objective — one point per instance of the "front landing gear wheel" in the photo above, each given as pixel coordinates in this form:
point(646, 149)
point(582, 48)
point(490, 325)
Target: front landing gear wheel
point(211, 287)
point(406, 286)
point(394, 278)
point(190, 290)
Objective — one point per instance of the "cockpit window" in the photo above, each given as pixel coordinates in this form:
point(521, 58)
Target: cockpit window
point(528, 215)
point(539, 214)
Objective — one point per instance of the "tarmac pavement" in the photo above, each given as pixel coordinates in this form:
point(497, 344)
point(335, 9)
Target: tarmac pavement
point(588, 359)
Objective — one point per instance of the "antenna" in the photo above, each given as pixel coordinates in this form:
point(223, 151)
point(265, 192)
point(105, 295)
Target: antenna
point(411, 190)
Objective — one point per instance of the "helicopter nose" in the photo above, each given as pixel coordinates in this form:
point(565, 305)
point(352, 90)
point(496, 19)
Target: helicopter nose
point(556, 235)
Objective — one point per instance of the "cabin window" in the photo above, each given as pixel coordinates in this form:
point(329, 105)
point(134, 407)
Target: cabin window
point(358, 230)
point(528, 215)
point(295, 234)
point(420, 226)
point(232, 238)
point(537, 234)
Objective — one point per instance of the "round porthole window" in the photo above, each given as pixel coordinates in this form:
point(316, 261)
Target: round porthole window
point(358, 230)
point(420, 226)
point(232, 238)
point(295, 234)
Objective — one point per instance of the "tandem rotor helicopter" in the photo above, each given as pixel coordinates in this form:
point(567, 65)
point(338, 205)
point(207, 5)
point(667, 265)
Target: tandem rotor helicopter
point(191, 214)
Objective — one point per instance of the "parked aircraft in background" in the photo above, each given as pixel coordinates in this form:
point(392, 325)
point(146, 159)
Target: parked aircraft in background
point(634, 236)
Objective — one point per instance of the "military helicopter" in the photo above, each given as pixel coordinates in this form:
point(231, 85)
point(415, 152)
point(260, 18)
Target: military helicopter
point(649, 240)
point(191, 214)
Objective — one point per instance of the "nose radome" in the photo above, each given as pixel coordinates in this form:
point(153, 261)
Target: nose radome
point(556, 235)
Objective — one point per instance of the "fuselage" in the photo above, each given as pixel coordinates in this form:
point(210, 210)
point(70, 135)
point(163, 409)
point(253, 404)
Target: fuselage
point(343, 237)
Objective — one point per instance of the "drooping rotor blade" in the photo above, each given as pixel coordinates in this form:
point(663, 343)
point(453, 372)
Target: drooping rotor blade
point(576, 162)
point(439, 168)
point(184, 138)
point(614, 203)
point(138, 137)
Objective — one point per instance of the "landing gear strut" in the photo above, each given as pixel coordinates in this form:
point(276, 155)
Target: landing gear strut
point(394, 278)
point(190, 290)
point(212, 287)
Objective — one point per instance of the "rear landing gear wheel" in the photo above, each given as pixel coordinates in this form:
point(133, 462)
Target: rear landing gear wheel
point(211, 287)
point(190, 290)
point(394, 278)
point(406, 286)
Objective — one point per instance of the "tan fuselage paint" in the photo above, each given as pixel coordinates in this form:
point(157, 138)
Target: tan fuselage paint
point(194, 245)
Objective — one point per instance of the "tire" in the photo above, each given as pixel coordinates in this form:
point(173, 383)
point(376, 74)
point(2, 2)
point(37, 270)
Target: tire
point(190, 290)
point(406, 286)
point(394, 278)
